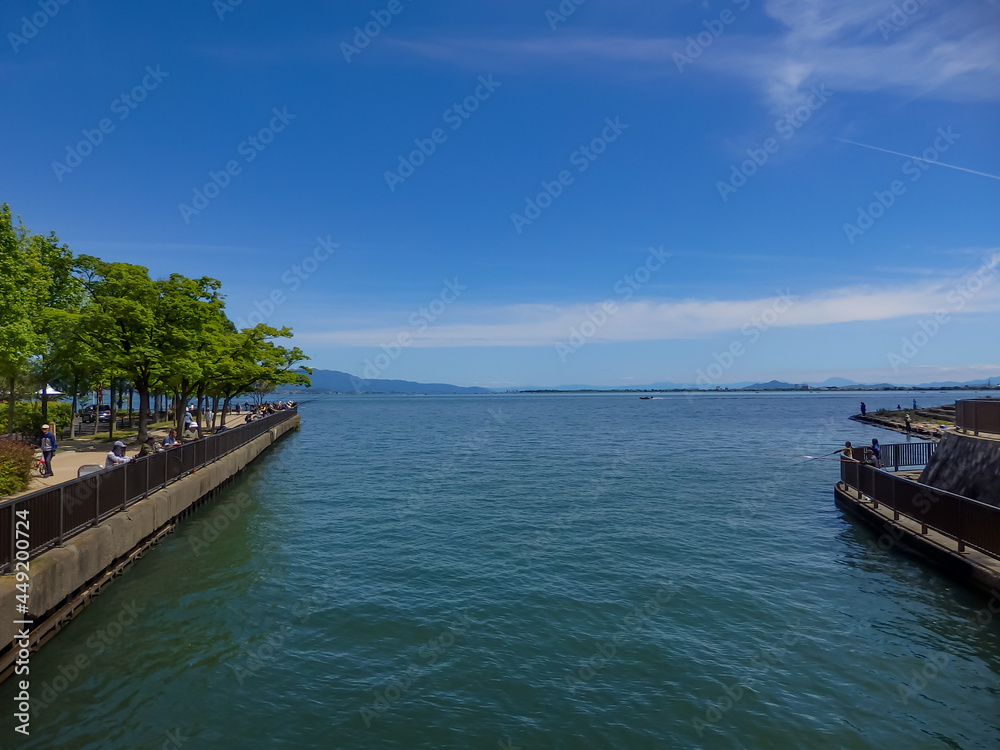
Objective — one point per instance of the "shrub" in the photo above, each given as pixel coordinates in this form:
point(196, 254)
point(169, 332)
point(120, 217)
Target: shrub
point(28, 417)
point(16, 462)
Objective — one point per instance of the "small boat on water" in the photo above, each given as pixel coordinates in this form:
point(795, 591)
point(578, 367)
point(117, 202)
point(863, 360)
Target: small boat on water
point(645, 398)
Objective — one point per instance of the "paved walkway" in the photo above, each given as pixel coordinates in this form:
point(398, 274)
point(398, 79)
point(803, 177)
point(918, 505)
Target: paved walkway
point(73, 454)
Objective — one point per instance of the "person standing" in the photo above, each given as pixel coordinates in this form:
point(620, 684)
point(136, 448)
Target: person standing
point(876, 450)
point(863, 408)
point(914, 404)
point(846, 453)
point(48, 446)
point(908, 425)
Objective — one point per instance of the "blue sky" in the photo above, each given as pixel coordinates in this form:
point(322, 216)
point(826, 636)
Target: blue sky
point(629, 192)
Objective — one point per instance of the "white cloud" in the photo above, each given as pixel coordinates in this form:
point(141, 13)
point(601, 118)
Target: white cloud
point(944, 50)
point(660, 319)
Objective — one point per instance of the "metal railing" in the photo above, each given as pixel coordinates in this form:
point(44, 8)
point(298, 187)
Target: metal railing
point(57, 513)
point(968, 522)
point(978, 415)
point(906, 455)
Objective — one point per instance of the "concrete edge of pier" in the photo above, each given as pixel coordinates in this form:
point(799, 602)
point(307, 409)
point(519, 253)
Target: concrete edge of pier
point(975, 568)
point(71, 571)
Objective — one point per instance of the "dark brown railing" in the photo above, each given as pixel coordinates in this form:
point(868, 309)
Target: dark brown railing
point(967, 521)
point(978, 415)
point(56, 513)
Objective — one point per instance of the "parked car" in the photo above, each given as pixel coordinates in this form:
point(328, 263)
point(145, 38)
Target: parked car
point(93, 413)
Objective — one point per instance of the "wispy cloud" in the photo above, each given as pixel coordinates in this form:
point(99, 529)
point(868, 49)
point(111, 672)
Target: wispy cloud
point(946, 51)
point(659, 320)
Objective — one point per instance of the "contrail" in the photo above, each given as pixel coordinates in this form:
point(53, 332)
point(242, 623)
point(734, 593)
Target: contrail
point(909, 156)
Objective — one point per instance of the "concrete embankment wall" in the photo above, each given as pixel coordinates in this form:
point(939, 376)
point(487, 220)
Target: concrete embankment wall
point(966, 465)
point(61, 573)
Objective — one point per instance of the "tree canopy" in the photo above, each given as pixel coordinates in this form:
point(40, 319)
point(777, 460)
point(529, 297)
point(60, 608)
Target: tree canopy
point(77, 322)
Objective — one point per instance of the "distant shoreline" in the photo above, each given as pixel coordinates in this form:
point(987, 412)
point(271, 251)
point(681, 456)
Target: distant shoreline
point(831, 389)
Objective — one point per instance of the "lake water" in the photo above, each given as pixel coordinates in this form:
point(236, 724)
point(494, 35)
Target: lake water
point(531, 571)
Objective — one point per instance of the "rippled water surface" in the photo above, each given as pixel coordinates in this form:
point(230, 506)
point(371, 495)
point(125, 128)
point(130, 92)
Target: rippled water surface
point(530, 571)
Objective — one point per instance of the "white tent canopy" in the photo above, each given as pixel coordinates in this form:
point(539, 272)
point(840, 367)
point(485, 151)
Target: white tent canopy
point(48, 391)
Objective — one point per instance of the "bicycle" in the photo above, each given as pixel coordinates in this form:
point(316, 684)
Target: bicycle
point(40, 467)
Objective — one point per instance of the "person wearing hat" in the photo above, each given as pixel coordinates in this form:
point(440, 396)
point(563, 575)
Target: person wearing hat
point(48, 446)
point(149, 447)
point(116, 455)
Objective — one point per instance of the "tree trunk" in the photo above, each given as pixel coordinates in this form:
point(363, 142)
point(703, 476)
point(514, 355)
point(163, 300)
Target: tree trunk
point(143, 412)
point(111, 419)
point(201, 411)
point(72, 414)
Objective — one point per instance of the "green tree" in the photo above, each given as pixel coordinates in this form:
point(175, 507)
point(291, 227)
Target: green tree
point(252, 358)
point(120, 325)
point(56, 319)
point(23, 278)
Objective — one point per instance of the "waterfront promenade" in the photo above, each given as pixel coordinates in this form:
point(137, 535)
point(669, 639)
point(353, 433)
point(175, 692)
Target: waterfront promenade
point(80, 534)
point(82, 451)
point(950, 514)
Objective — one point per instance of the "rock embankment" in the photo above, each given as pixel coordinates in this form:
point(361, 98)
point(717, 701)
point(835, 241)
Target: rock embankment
point(966, 465)
point(930, 423)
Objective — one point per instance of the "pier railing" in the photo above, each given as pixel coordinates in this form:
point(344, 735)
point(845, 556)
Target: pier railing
point(32, 523)
point(904, 455)
point(968, 522)
point(978, 415)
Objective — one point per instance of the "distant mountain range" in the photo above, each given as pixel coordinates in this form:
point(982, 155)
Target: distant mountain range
point(750, 385)
point(343, 382)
